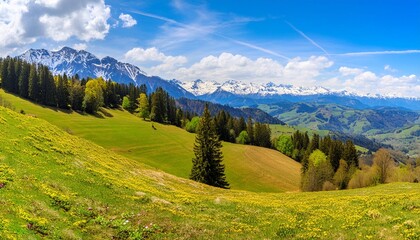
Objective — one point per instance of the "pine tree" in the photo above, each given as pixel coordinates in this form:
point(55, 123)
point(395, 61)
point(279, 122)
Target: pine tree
point(207, 163)
point(350, 154)
point(221, 126)
point(24, 80)
point(76, 94)
point(335, 151)
point(63, 92)
point(4, 73)
point(11, 77)
point(33, 86)
point(158, 106)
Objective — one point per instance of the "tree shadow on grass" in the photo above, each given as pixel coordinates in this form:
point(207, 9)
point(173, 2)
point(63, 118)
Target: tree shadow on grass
point(105, 112)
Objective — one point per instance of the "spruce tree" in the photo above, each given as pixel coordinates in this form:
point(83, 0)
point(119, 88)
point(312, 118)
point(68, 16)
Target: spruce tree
point(350, 154)
point(207, 163)
point(24, 80)
point(33, 85)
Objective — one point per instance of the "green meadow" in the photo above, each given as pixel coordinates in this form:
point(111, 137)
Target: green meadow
point(169, 148)
point(55, 185)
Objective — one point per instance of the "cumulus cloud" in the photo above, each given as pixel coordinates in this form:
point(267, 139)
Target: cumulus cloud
point(310, 72)
point(127, 20)
point(367, 82)
point(165, 63)
point(25, 21)
point(304, 72)
point(228, 66)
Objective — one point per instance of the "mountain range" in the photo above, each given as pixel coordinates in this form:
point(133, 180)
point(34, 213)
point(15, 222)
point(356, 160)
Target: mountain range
point(71, 62)
point(388, 120)
point(233, 93)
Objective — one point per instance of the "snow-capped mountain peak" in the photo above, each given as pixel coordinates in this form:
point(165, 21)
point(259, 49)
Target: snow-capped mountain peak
point(70, 61)
point(200, 87)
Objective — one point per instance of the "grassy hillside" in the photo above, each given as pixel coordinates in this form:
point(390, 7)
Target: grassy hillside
point(389, 126)
point(169, 148)
point(54, 185)
point(406, 139)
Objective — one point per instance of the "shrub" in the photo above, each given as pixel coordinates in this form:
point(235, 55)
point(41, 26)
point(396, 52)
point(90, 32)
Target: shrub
point(328, 186)
point(192, 125)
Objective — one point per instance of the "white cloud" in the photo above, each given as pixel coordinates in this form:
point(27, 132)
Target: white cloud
point(367, 82)
point(127, 20)
point(25, 21)
point(165, 65)
point(346, 71)
point(228, 66)
point(310, 72)
point(80, 46)
point(305, 72)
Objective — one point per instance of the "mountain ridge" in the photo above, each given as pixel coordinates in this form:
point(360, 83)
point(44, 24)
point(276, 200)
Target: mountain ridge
point(240, 94)
point(71, 62)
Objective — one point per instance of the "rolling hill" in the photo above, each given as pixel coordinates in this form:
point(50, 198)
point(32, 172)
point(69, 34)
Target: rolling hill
point(170, 148)
point(390, 126)
point(54, 185)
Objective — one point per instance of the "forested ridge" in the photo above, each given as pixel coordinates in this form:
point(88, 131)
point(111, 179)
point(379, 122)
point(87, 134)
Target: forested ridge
point(36, 83)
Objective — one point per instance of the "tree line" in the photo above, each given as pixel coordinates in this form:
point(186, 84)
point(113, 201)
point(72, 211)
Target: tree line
point(36, 83)
point(323, 159)
point(330, 164)
point(236, 130)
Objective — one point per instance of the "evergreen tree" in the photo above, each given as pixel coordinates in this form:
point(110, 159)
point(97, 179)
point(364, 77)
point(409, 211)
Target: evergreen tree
point(262, 135)
point(24, 80)
point(207, 163)
point(62, 92)
point(4, 73)
point(334, 154)
point(132, 97)
point(178, 118)
point(250, 130)
point(76, 94)
point(15, 80)
point(11, 77)
point(350, 154)
point(143, 89)
point(240, 125)
point(33, 86)
point(221, 126)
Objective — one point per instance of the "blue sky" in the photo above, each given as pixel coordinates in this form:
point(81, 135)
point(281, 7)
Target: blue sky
point(367, 46)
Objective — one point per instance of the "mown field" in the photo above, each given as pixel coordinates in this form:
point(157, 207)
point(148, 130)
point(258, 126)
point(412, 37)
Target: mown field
point(169, 148)
point(55, 185)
